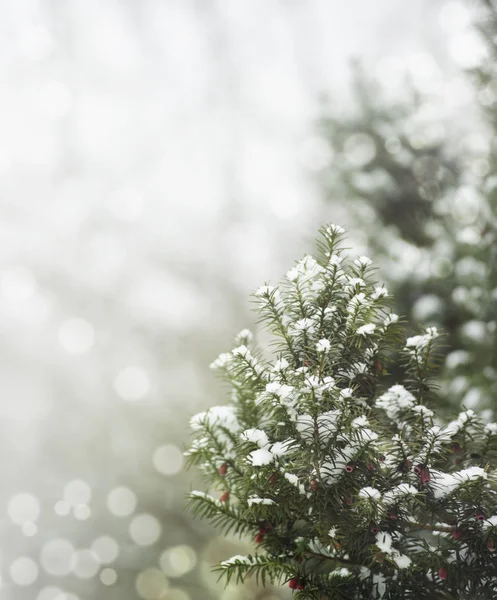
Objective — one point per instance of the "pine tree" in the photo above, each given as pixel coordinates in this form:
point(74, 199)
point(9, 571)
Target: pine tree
point(351, 486)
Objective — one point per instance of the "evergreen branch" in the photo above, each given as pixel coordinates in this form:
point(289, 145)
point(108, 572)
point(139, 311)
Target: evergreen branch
point(222, 515)
point(264, 568)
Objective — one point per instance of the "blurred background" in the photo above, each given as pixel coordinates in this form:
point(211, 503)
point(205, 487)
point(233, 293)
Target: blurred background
point(159, 160)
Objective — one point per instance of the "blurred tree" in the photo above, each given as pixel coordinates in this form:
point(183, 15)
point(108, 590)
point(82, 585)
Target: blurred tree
point(433, 196)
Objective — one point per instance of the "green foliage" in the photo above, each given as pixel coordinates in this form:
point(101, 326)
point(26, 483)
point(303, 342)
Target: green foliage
point(351, 487)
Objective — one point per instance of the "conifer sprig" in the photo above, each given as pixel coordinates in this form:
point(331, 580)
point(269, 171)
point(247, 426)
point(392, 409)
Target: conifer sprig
point(350, 484)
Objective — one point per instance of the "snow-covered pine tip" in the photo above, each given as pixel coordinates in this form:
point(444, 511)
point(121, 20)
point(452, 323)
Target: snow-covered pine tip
point(348, 481)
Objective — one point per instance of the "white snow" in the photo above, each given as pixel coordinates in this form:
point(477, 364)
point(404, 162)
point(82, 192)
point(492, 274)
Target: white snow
point(418, 343)
point(401, 560)
point(281, 365)
point(265, 290)
point(379, 292)
point(361, 421)
point(356, 281)
point(305, 324)
point(403, 489)
point(261, 457)
point(395, 401)
point(326, 425)
point(223, 416)
point(343, 572)
point(490, 522)
point(279, 389)
point(305, 270)
point(363, 261)
point(491, 428)
point(422, 410)
point(245, 335)
point(256, 500)
point(293, 479)
point(357, 301)
point(384, 542)
point(256, 436)
point(282, 448)
point(241, 351)
point(221, 361)
point(323, 346)
point(391, 318)
point(367, 329)
point(238, 558)
point(370, 493)
point(445, 483)
point(335, 229)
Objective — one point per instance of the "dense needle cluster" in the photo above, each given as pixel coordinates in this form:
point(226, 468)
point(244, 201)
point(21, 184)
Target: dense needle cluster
point(348, 482)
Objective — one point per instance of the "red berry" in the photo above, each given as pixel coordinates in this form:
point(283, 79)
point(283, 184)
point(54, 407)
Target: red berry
point(393, 516)
point(456, 534)
point(425, 476)
point(223, 469)
point(417, 469)
point(491, 545)
point(293, 583)
point(314, 485)
point(443, 573)
point(348, 501)
point(455, 447)
point(349, 468)
point(224, 497)
point(378, 366)
point(307, 363)
point(375, 529)
point(480, 516)
point(258, 538)
point(371, 466)
point(273, 478)
point(300, 586)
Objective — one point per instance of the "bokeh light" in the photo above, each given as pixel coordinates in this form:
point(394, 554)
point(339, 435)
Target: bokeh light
point(29, 529)
point(168, 459)
point(145, 529)
point(151, 584)
point(17, 283)
point(132, 383)
point(23, 571)
point(178, 560)
point(51, 593)
point(57, 557)
point(77, 492)
point(85, 564)
point(62, 508)
point(23, 508)
point(121, 501)
point(82, 512)
point(76, 335)
point(108, 576)
point(359, 149)
point(106, 549)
